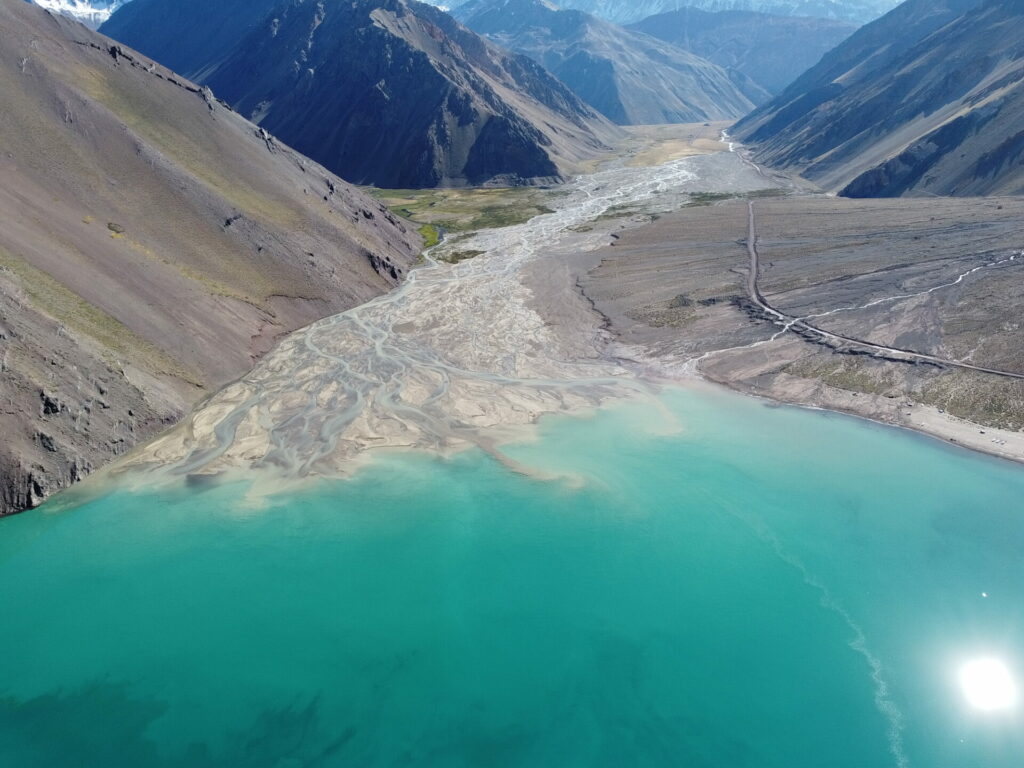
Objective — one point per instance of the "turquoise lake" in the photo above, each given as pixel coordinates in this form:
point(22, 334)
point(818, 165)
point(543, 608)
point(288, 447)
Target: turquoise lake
point(717, 583)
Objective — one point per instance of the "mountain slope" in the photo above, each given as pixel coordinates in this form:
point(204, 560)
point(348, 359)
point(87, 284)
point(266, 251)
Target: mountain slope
point(883, 115)
point(185, 35)
point(771, 50)
point(386, 92)
point(153, 245)
point(629, 77)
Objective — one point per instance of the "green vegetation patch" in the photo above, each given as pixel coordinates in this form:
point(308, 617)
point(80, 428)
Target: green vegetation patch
point(710, 198)
point(846, 374)
point(430, 234)
point(982, 398)
point(467, 210)
point(456, 256)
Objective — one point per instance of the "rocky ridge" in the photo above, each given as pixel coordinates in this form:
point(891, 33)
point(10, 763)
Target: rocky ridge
point(631, 11)
point(448, 108)
point(773, 51)
point(92, 13)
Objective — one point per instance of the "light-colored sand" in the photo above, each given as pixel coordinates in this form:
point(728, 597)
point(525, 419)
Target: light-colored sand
point(648, 146)
point(897, 412)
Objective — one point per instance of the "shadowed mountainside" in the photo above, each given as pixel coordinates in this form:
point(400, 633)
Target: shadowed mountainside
point(392, 93)
point(154, 245)
point(771, 50)
point(630, 77)
point(927, 100)
point(213, 29)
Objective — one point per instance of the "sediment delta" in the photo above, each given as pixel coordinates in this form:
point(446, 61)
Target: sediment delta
point(456, 353)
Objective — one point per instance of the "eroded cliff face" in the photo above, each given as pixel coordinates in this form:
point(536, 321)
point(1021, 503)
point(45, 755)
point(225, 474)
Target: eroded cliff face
point(154, 244)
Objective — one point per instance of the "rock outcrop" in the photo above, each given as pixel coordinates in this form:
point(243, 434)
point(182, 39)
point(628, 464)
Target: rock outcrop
point(154, 244)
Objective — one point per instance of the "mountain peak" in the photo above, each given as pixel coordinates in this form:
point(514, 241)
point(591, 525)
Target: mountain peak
point(385, 92)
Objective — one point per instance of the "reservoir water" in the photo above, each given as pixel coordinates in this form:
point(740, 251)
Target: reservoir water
point(714, 582)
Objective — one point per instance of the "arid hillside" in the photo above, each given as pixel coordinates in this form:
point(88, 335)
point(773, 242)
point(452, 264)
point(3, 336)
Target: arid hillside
point(153, 245)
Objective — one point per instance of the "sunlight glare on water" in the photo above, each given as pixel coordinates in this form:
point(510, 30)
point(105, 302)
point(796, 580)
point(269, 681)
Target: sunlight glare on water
point(988, 684)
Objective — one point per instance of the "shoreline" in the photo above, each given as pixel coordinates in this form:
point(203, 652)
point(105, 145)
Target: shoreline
point(567, 365)
point(954, 438)
point(652, 380)
point(932, 423)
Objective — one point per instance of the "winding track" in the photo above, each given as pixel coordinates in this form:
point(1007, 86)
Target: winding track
point(790, 322)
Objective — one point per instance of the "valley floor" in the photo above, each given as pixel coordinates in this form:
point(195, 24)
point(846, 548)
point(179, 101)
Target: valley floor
point(931, 276)
point(635, 275)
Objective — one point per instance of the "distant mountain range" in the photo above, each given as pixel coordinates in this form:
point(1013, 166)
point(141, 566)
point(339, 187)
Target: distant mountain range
point(629, 11)
point(385, 92)
point(927, 100)
point(624, 11)
point(628, 76)
point(771, 50)
point(92, 13)
point(154, 243)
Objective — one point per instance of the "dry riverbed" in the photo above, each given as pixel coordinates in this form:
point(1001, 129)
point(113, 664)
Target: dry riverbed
point(457, 355)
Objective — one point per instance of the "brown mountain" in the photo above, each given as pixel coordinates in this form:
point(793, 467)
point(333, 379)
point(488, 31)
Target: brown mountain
point(153, 244)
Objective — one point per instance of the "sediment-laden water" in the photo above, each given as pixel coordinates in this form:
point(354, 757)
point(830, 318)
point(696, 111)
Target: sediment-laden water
point(714, 582)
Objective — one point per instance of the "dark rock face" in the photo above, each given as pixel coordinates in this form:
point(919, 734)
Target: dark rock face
point(630, 77)
point(153, 245)
point(927, 100)
point(155, 27)
point(501, 144)
point(771, 50)
point(385, 92)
